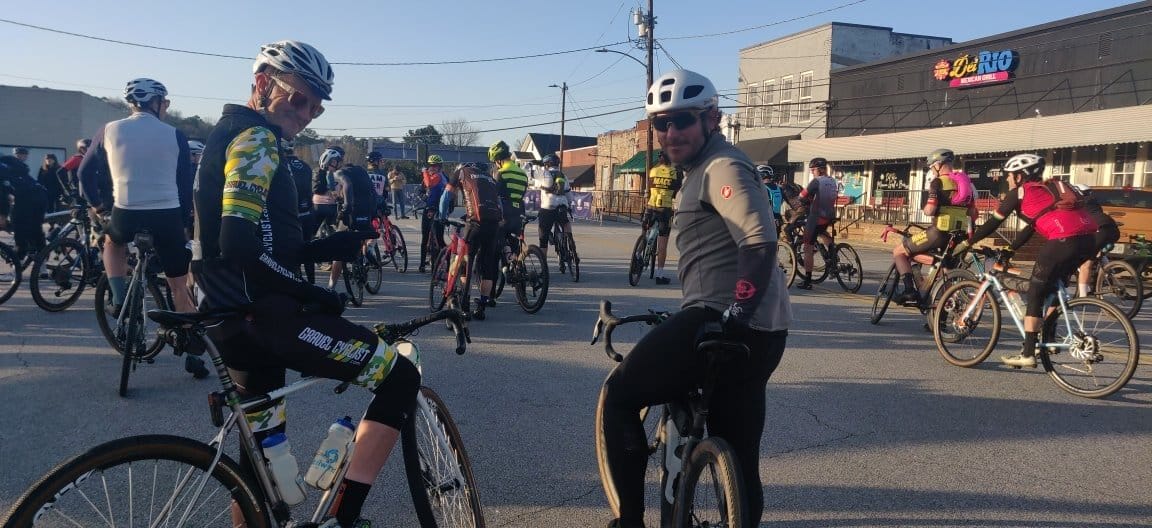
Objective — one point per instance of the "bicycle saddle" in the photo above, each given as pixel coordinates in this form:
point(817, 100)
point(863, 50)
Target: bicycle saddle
point(169, 319)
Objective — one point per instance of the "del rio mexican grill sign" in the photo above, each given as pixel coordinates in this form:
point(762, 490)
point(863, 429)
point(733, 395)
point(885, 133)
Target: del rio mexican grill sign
point(986, 67)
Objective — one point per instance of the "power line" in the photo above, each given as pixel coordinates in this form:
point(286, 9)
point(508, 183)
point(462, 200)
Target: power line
point(633, 109)
point(509, 118)
point(602, 33)
point(762, 26)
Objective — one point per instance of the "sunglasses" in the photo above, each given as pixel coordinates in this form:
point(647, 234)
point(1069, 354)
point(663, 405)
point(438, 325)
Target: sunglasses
point(680, 121)
point(297, 98)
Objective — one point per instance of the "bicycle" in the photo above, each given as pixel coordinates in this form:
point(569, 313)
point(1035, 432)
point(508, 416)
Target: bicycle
point(390, 247)
point(1087, 346)
point(644, 255)
point(1117, 282)
point(687, 464)
point(524, 267)
point(127, 330)
point(68, 265)
point(12, 265)
point(194, 483)
point(839, 260)
point(450, 285)
point(356, 278)
point(943, 272)
point(565, 243)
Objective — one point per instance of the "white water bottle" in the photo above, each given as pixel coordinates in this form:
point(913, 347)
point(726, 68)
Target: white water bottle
point(1017, 301)
point(322, 473)
point(283, 467)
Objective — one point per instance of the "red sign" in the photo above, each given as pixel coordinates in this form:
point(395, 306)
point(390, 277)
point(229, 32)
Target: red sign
point(978, 80)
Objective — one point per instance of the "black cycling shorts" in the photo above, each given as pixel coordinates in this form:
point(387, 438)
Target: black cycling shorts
point(1107, 234)
point(167, 228)
point(359, 223)
point(925, 241)
point(482, 241)
point(547, 219)
point(662, 216)
point(813, 228)
point(1056, 260)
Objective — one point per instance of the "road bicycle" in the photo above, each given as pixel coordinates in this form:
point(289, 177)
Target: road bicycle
point(128, 331)
point(942, 272)
point(1087, 346)
point(524, 267)
point(71, 263)
point(1117, 282)
point(644, 255)
point(699, 479)
point(358, 274)
point(565, 244)
point(839, 260)
point(12, 265)
point(165, 480)
point(390, 247)
point(449, 285)
point(324, 231)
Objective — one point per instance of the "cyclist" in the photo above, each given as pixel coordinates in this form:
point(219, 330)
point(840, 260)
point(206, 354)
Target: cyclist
point(775, 192)
point(728, 274)
point(664, 182)
point(1054, 210)
point(357, 194)
point(1107, 233)
point(69, 174)
point(952, 207)
point(325, 208)
point(434, 183)
point(248, 248)
point(302, 177)
point(484, 213)
point(27, 205)
point(554, 189)
point(376, 174)
point(21, 153)
point(820, 199)
point(195, 151)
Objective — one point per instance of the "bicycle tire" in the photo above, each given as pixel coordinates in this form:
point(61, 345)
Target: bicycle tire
point(437, 297)
point(657, 507)
point(532, 289)
point(375, 272)
point(1120, 284)
point(636, 266)
point(711, 462)
point(787, 260)
point(573, 258)
point(462, 289)
point(399, 250)
point(103, 297)
point(53, 493)
point(1107, 333)
point(10, 273)
point(849, 271)
point(884, 294)
point(433, 471)
point(958, 344)
point(501, 276)
point(67, 273)
point(353, 283)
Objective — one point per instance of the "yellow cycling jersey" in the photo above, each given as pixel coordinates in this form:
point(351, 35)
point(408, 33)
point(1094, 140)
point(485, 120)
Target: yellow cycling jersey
point(663, 182)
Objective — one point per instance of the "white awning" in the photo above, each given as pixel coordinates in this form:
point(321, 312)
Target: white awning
point(1102, 127)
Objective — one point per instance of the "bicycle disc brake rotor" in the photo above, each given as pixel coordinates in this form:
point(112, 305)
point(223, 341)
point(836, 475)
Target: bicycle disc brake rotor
point(1086, 348)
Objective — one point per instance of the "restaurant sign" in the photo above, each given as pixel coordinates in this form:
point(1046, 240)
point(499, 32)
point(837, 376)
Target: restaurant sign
point(986, 67)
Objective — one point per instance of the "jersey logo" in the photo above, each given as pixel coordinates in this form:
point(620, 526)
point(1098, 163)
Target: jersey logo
point(744, 290)
point(726, 191)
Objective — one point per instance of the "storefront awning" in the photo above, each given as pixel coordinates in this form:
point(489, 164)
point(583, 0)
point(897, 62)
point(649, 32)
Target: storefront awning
point(1101, 127)
point(772, 151)
point(635, 164)
point(581, 175)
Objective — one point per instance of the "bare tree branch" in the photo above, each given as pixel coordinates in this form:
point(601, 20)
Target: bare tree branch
point(458, 132)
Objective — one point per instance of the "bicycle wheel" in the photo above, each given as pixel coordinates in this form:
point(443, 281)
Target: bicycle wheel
point(849, 271)
point(1117, 283)
point(787, 260)
point(9, 273)
point(375, 272)
point(63, 265)
point(1103, 348)
point(437, 467)
point(884, 294)
point(819, 265)
point(966, 341)
point(532, 284)
point(657, 504)
point(324, 231)
point(501, 275)
point(639, 261)
point(712, 493)
point(136, 481)
point(354, 279)
point(573, 258)
point(399, 250)
point(107, 323)
point(936, 291)
point(437, 297)
point(462, 290)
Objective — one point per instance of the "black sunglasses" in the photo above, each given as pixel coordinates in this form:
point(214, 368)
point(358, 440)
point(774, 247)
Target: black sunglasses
point(680, 121)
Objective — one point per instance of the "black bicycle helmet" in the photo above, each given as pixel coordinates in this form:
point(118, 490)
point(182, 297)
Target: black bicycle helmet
point(818, 163)
point(375, 157)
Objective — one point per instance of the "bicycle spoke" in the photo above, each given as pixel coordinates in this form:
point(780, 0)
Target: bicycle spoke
point(1097, 348)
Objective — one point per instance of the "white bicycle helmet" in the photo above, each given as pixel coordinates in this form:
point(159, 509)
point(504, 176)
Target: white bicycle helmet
point(765, 171)
point(291, 56)
point(680, 90)
point(139, 91)
point(195, 147)
point(1030, 164)
point(329, 155)
point(1084, 189)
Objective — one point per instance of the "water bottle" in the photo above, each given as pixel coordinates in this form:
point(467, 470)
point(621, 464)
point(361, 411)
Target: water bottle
point(331, 454)
point(283, 467)
point(1017, 301)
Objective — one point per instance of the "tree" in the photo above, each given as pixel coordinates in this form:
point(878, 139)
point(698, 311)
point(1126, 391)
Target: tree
point(458, 132)
point(427, 135)
point(308, 137)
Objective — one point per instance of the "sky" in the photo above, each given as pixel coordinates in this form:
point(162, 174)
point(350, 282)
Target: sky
point(388, 100)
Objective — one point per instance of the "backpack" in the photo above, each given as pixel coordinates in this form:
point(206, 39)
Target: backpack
point(1064, 197)
point(481, 197)
point(965, 192)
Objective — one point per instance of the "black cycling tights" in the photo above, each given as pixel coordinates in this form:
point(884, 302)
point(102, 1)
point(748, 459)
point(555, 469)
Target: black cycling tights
point(664, 366)
point(1057, 259)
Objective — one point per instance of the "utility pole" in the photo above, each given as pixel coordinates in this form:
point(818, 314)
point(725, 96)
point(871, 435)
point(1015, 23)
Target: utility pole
point(647, 30)
point(563, 104)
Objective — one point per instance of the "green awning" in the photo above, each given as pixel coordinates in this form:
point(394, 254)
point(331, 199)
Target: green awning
point(635, 164)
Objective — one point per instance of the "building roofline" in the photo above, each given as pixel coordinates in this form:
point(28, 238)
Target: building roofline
point(833, 25)
point(1095, 15)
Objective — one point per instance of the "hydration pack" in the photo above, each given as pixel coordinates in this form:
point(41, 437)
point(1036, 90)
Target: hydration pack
point(964, 191)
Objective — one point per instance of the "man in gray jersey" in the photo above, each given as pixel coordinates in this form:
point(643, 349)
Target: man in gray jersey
point(728, 273)
point(820, 198)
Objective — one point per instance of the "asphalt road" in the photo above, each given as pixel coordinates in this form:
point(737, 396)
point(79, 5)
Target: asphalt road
point(866, 425)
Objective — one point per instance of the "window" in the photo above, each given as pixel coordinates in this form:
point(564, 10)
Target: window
point(767, 112)
point(804, 109)
point(1062, 164)
point(784, 111)
point(1147, 167)
point(1124, 167)
point(753, 111)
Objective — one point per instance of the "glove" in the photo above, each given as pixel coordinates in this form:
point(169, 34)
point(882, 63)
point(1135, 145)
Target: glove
point(341, 245)
point(322, 300)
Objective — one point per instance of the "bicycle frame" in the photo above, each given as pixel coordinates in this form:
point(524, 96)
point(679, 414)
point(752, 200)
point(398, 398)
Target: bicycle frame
point(458, 256)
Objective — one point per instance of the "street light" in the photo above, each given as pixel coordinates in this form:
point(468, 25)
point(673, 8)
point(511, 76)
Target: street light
point(563, 103)
point(638, 61)
point(648, 68)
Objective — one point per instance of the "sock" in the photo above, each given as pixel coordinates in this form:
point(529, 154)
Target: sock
point(119, 287)
point(349, 501)
point(1029, 348)
point(909, 282)
point(660, 272)
point(1082, 289)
